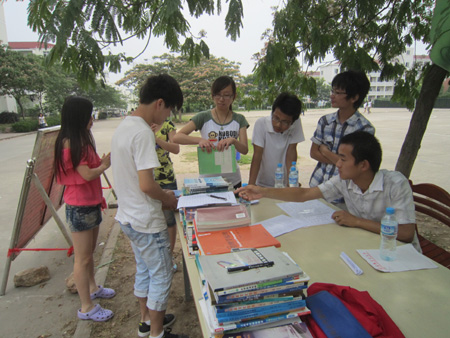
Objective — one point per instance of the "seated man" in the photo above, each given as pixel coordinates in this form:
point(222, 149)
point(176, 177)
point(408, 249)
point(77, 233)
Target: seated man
point(275, 140)
point(366, 191)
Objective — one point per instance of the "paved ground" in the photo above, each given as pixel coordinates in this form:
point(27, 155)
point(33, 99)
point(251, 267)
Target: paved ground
point(48, 310)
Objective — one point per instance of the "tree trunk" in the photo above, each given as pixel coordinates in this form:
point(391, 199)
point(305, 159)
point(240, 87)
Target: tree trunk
point(430, 90)
point(22, 111)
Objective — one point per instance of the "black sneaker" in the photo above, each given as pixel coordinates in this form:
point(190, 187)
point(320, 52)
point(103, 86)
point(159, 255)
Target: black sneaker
point(168, 334)
point(144, 328)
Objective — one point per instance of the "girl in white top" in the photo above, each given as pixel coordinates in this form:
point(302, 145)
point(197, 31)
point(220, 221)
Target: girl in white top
point(219, 127)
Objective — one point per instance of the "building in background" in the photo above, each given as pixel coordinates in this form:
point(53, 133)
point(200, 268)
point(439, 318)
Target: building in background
point(7, 103)
point(36, 48)
point(378, 89)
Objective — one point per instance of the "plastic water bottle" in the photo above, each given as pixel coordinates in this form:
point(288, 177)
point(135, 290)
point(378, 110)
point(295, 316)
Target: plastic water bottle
point(279, 176)
point(389, 230)
point(293, 176)
point(246, 203)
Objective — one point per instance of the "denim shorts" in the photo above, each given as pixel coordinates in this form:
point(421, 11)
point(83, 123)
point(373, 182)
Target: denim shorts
point(170, 214)
point(82, 218)
point(154, 266)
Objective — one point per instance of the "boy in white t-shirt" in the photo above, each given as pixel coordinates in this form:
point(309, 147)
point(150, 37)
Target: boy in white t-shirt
point(141, 200)
point(275, 139)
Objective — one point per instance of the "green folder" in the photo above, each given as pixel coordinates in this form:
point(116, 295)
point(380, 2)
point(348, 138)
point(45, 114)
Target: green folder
point(440, 35)
point(217, 162)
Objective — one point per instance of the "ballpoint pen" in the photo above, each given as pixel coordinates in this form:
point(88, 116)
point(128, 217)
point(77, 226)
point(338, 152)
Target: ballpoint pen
point(218, 197)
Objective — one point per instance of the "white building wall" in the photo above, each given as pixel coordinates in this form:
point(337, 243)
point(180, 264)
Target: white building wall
point(7, 103)
point(378, 88)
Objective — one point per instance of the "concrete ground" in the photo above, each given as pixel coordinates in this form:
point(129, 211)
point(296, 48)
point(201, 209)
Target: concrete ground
point(48, 310)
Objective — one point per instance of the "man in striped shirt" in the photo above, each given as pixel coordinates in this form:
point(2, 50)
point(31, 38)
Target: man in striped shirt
point(349, 90)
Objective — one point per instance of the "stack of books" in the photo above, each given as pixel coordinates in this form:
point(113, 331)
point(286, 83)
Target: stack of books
point(187, 216)
point(220, 218)
point(250, 288)
point(192, 186)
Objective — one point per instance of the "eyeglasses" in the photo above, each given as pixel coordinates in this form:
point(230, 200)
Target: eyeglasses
point(284, 123)
point(223, 96)
point(334, 92)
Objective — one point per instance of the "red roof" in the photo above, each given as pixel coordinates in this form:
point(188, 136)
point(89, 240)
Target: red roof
point(424, 57)
point(29, 45)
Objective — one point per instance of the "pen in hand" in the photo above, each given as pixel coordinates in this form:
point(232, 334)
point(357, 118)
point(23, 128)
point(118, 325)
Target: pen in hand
point(218, 197)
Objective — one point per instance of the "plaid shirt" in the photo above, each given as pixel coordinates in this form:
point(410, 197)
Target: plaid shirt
point(330, 132)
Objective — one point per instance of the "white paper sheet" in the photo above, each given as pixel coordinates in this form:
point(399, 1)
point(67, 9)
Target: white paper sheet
point(308, 213)
point(280, 225)
point(206, 199)
point(407, 259)
point(222, 158)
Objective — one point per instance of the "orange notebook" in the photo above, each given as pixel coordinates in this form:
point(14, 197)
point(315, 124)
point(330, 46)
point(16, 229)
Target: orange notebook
point(222, 241)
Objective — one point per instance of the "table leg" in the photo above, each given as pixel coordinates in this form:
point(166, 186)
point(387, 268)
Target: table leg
point(187, 284)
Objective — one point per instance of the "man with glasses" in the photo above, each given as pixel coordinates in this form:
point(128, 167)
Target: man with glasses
point(348, 92)
point(275, 140)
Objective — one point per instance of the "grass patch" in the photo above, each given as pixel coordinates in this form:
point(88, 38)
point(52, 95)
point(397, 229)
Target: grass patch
point(190, 156)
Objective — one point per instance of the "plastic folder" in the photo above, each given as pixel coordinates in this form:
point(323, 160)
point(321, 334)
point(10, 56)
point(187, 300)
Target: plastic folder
point(333, 317)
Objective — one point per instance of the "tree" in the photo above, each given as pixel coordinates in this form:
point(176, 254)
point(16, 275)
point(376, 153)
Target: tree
point(20, 76)
point(323, 90)
point(104, 97)
point(82, 30)
point(23, 75)
point(195, 81)
point(367, 35)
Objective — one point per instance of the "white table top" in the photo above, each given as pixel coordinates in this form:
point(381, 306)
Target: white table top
point(417, 301)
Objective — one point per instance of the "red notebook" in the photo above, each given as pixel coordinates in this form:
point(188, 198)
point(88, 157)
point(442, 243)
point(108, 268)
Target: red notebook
point(219, 242)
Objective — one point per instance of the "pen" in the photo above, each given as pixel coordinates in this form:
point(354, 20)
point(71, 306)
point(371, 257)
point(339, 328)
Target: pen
point(218, 197)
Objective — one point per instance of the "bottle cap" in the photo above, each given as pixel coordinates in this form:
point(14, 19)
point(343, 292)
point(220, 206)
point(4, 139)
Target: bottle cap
point(244, 184)
point(390, 211)
point(279, 165)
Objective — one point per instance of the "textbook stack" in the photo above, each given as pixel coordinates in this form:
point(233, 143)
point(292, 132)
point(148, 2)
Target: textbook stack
point(251, 289)
point(202, 185)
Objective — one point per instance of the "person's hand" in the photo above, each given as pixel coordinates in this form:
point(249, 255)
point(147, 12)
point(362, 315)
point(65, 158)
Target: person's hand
point(170, 201)
point(155, 127)
point(342, 217)
point(225, 143)
point(106, 160)
point(250, 192)
point(206, 145)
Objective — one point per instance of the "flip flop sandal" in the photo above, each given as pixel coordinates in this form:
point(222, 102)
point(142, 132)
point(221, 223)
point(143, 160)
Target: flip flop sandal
point(97, 314)
point(103, 293)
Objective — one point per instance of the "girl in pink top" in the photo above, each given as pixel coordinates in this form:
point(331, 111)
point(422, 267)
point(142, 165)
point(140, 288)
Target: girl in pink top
point(78, 167)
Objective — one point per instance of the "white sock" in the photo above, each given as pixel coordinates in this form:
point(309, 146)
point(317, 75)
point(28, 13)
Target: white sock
point(160, 336)
point(148, 322)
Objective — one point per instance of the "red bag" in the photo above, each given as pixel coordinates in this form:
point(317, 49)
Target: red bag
point(366, 310)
